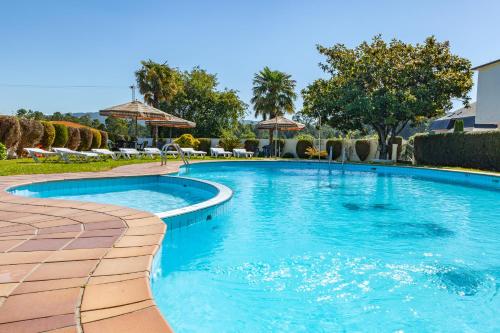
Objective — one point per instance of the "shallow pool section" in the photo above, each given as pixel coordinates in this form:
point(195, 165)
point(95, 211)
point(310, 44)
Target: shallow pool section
point(305, 249)
point(155, 194)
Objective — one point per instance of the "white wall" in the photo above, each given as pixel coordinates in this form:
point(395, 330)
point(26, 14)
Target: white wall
point(488, 95)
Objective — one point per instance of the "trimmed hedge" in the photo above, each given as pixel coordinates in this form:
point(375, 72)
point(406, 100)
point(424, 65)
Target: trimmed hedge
point(396, 141)
point(61, 135)
point(362, 149)
point(10, 132)
point(96, 138)
point(252, 145)
point(104, 140)
point(204, 144)
point(336, 145)
point(31, 134)
point(301, 148)
point(85, 139)
point(49, 134)
point(73, 138)
point(478, 150)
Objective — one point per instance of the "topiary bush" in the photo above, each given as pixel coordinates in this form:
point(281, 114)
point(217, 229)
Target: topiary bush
point(73, 138)
point(336, 145)
point(362, 149)
point(31, 134)
point(49, 134)
point(10, 133)
point(458, 126)
point(251, 145)
point(205, 144)
point(104, 140)
point(85, 139)
point(301, 148)
point(478, 150)
point(396, 141)
point(96, 138)
point(3, 152)
point(229, 141)
point(61, 137)
point(187, 141)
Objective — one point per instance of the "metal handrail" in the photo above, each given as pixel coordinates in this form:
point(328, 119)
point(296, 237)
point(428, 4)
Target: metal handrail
point(164, 149)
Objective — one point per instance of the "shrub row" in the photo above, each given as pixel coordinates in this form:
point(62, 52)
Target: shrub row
point(19, 133)
point(478, 150)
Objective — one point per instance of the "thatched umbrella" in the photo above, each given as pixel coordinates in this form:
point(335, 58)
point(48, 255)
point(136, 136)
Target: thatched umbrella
point(134, 110)
point(280, 124)
point(172, 122)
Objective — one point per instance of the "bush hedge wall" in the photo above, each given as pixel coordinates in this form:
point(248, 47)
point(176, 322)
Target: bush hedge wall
point(10, 132)
point(3, 152)
point(61, 137)
point(478, 150)
point(49, 134)
point(301, 148)
point(362, 149)
point(204, 144)
point(85, 139)
point(104, 140)
point(31, 134)
point(336, 145)
point(73, 138)
point(96, 138)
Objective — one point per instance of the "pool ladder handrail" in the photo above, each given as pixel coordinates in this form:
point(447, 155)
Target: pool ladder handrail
point(164, 149)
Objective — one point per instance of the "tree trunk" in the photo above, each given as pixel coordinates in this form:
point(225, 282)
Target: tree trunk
point(271, 142)
point(382, 143)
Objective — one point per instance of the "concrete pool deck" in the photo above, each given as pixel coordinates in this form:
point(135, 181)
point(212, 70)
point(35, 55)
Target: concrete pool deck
point(68, 266)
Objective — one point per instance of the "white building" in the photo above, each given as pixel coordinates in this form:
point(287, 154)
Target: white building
point(485, 113)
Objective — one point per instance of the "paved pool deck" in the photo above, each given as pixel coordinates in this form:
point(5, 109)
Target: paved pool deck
point(68, 266)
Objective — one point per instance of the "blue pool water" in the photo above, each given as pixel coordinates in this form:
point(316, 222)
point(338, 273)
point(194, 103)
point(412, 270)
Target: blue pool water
point(155, 194)
point(305, 250)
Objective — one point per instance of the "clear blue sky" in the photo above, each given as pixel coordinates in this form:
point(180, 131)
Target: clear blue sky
point(71, 42)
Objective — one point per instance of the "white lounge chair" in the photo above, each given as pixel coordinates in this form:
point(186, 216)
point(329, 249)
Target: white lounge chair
point(239, 152)
point(151, 152)
point(33, 152)
point(66, 154)
point(191, 152)
point(129, 152)
point(105, 153)
point(216, 152)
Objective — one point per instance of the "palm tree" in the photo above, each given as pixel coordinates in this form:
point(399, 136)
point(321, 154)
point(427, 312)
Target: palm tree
point(273, 95)
point(159, 83)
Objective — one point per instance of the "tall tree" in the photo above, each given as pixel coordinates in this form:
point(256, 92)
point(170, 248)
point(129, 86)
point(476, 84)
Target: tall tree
point(387, 85)
point(273, 95)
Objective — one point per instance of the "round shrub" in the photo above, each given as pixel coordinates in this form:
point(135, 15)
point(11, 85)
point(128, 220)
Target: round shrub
point(229, 141)
point(336, 145)
point(301, 148)
point(49, 134)
point(96, 138)
point(61, 137)
point(252, 145)
point(10, 132)
point(85, 139)
point(104, 140)
point(3, 152)
point(73, 138)
point(362, 149)
point(187, 141)
point(204, 144)
point(31, 134)
point(396, 141)
point(288, 155)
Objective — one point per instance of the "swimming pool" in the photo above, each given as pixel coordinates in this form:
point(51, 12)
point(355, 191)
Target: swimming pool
point(306, 249)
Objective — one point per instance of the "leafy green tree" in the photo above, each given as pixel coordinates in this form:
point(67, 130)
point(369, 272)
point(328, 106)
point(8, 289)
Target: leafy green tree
point(387, 85)
point(117, 126)
point(273, 94)
point(30, 114)
point(159, 83)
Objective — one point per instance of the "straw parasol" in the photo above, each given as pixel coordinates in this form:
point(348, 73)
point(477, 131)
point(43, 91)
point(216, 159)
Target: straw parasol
point(280, 124)
point(134, 110)
point(172, 122)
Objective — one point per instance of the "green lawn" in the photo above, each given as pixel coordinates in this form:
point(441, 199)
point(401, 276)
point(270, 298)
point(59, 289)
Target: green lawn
point(25, 166)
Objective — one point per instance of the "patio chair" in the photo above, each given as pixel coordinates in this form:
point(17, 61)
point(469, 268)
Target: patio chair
point(66, 154)
point(33, 152)
point(129, 152)
point(241, 152)
point(106, 153)
point(151, 152)
point(216, 152)
point(191, 152)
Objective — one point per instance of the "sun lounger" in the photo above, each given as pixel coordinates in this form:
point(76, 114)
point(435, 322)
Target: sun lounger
point(238, 152)
point(129, 152)
point(151, 152)
point(105, 153)
point(66, 154)
point(191, 152)
point(33, 152)
point(216, 152)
